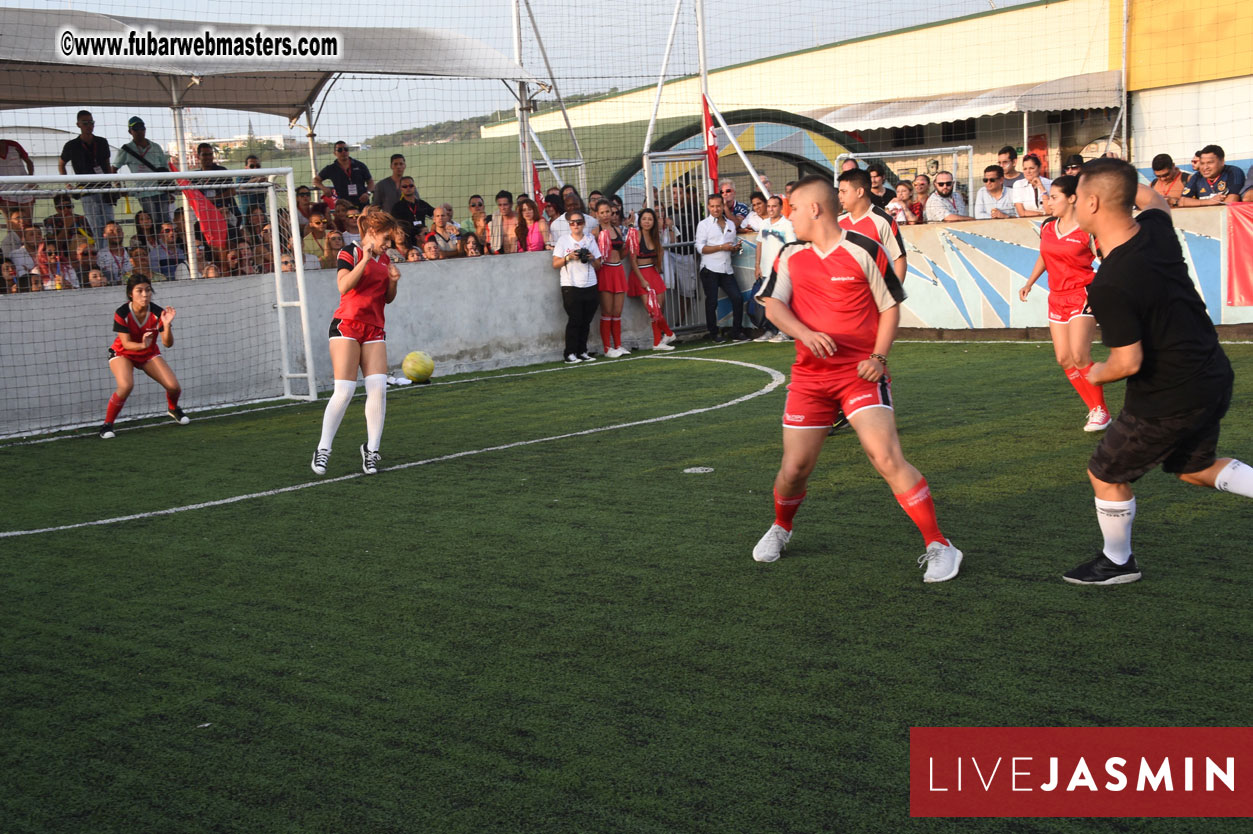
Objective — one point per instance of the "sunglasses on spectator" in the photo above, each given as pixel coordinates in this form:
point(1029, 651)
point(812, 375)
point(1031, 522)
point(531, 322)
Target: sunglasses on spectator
point(288, 262)
point(728, 191)
point(341, 150)
point(985, 179)
point(577, 222)
point(1072, 167)
point(948, 182)
point(353, 216)
point(410, 185)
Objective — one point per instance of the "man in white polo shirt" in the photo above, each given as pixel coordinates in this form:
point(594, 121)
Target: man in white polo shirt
point(716, 241)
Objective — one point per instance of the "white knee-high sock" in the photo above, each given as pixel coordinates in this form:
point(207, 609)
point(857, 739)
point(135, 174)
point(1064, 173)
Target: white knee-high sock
point(1236, 477)
point(336, 406)
point(375, 409)
point(1115, 518)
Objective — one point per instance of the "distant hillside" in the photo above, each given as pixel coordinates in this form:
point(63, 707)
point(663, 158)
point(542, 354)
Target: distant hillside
point(460, 129)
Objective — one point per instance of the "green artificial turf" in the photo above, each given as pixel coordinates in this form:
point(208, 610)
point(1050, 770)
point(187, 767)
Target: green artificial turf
point(571, 635)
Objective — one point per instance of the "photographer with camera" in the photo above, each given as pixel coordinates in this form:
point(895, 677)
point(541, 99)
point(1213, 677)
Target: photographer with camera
point(578, 257)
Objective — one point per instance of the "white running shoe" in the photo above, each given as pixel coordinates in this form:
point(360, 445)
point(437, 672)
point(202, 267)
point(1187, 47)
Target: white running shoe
point(622, 351)
point(764, 337)
point(320, 459)
point(571, 359)
point(662, 346)
point(941, 561)
point(1098, 420)
point(771, 545)
point(587, 357)
point(369, 461)
point(669, 338)
point(613, 353)
point(779, 336)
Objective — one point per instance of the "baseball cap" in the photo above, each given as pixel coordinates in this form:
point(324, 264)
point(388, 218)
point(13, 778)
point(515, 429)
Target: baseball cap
point(135, 122)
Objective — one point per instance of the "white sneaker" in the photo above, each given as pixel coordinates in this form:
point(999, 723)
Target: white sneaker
point(571, 359)
point(613, 353)
point(941, 561)
point(764, 337)
point(662, 346)
point(771, 545)
point(587, 357)
point(622, 351)
point(779, 336)
point(1098, 420)
point(320, 458)
point(669, 338)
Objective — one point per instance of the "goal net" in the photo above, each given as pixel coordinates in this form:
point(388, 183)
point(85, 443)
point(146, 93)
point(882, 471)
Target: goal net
point(70, 248)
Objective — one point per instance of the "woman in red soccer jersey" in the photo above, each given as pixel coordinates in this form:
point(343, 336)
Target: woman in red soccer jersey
point(138, 323)
point(1067, 252)
point(643, 247)
point(611, 279)
point(367, 281)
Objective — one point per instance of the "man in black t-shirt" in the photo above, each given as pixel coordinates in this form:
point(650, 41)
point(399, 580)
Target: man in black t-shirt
point(348, 178)
point(1163, 343)
point(88, 153)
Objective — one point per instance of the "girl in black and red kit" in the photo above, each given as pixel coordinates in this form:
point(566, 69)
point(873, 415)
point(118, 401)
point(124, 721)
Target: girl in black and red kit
point(138, 323)
point(367, 282)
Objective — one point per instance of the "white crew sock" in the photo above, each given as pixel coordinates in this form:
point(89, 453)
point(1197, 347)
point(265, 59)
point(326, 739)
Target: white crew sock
point(336, 407)
point(375, 409)
point(1115, 518)
point(1236, 477)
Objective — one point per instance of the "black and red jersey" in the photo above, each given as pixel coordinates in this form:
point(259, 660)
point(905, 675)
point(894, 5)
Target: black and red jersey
point(364, 302)
point(125, 321)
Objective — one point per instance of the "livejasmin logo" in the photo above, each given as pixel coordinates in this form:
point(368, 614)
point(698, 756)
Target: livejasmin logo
point(1081, 771)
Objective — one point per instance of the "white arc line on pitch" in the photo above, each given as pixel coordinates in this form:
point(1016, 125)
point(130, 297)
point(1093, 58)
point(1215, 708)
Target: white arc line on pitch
point(776, 379)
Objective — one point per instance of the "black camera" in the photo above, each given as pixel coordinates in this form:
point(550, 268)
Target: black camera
point(585, 256)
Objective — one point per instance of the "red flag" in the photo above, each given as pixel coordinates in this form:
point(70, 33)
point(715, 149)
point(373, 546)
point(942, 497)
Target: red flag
point(1239, 265)
point(536, 188)
point(212, 223)
point(711, 144)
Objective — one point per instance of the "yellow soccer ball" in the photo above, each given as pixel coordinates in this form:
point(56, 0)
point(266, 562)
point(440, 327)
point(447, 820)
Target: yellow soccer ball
point(418, 366)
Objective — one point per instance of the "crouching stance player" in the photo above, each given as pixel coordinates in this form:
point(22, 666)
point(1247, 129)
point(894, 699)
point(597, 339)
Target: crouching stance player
point(1161, 340)
point(367, 282)
point(838, 297)
point(137, 323)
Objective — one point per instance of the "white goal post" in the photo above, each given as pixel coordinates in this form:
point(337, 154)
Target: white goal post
point(237, 339)
point(953, 151)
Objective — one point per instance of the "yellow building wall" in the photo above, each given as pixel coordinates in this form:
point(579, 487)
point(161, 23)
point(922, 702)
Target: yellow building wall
point(1174, 42)
point(1069, 37)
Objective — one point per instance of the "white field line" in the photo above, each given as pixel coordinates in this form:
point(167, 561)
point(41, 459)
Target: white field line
point(776, 379)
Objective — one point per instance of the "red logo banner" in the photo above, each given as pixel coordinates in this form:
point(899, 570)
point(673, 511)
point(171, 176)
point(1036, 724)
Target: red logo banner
point(1239, 254)
point(1081, 771)
point(711, 144)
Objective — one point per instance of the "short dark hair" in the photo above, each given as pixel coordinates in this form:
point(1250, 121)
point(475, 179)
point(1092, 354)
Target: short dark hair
point(1163, 162)
point(396, 156)
point(475, 197)
point(790, 184)
point(757, 195)
point(504, 195)
point(994, 169)
point(1009, 149)
point(712, 197)
point(1031, 158)
point(81, 114)
point(202, 146)
point(339, 142)
point(1117, 179)
point(252, 156)
point(829, 195)
point(856, 178)
point(877, 168)
point(1215, 150)
point(134, 281)
point(406, 177)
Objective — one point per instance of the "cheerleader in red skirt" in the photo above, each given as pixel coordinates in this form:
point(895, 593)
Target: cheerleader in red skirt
point(611, 280)
point(645, 255)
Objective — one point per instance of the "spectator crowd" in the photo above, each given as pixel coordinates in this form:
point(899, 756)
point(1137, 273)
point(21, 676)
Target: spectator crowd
point(85, 242)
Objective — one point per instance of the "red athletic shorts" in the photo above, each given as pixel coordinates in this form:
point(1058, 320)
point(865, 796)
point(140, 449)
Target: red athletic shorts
point(137, 359)
point(1064, 306)
point(812, 402)
point(359, 331)
point(652, 278)
point(612, 278)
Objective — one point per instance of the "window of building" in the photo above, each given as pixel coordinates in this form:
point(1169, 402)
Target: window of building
point(905, 137)
point(960, 131)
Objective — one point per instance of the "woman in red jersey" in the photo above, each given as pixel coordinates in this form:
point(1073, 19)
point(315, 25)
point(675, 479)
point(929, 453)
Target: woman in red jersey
point(367, 281)
point(611, 279)
point(138, 323)
point(1067, 252)
point(644, 248)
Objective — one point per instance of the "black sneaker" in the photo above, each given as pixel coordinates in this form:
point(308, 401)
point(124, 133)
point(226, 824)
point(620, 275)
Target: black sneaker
point(369, 461)
point(742, 336)
point(1101, 571)
point(840, 422)
point(177, 415)
point(719, 339)
point(106, 432)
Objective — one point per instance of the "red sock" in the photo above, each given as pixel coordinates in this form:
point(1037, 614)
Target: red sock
point(785, 509)
point(172, 399)
point(1082, 387)
point(606, 333)
point(656, 334)
point(1098, 393)
point(615, 325)
point(115, 407)
point(918, 505)
point(665, 327)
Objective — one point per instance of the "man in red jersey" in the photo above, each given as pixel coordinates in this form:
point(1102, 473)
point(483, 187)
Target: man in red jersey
point(838, 298)
point(863, 215)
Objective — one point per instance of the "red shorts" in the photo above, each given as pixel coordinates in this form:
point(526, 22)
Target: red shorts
point(137, 359)
point(1064, 306)
point(652, 278)
point(357, 330)
point(612, 278)
point(812, 402)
